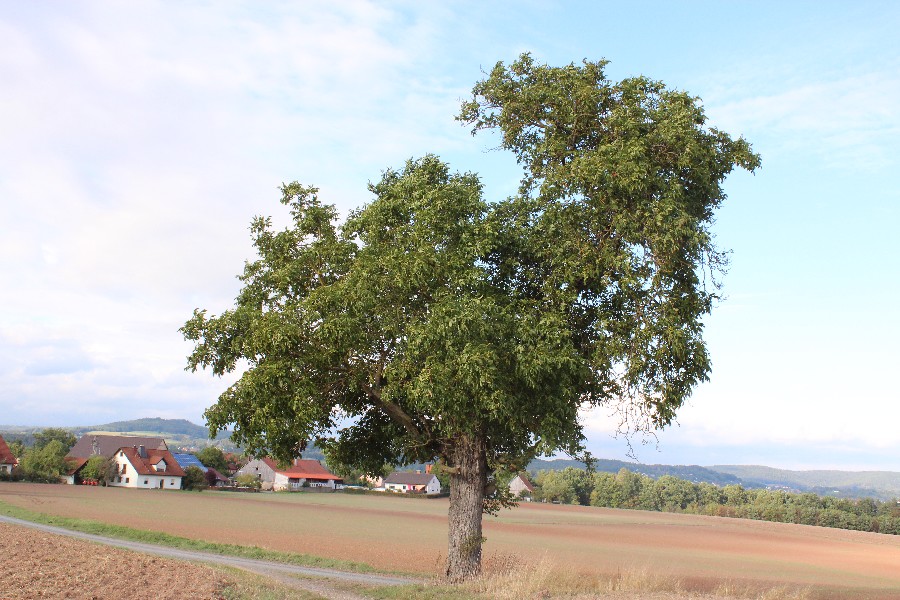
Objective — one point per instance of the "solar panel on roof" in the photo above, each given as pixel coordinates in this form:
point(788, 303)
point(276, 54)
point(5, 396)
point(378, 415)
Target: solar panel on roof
point(186, 460)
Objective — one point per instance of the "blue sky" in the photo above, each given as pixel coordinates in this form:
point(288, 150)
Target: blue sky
point(137, 140)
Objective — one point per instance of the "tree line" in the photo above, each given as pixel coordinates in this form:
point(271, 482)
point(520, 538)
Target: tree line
point(627, 489)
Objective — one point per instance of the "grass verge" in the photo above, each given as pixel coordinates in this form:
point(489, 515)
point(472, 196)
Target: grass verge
point(172, 541)
point(509, 578)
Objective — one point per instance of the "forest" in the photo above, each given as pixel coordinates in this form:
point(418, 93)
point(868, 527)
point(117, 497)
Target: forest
point(630, 490)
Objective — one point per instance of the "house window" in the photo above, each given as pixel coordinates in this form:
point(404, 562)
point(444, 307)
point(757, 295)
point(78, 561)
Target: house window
point(126, 480)
point(145, 482)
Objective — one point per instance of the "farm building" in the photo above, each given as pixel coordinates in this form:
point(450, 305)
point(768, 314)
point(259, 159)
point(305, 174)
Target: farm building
point(7, 461)
point(408, 482)
point(143, 468)
point(261, 468)
point(306, 473)
point(302, 473)
point(521, 486)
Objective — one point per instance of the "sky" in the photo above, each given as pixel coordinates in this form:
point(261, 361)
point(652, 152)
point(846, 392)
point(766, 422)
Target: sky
point(139, 139)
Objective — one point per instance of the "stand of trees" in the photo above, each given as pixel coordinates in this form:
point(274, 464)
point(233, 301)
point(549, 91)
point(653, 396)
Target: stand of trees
point(627, 489)
point(44, 460)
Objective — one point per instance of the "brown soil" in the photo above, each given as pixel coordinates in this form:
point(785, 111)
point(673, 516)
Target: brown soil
point(43, 565)
point(411, 536)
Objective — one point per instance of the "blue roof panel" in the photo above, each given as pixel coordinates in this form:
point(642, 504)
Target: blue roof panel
point(186, 460)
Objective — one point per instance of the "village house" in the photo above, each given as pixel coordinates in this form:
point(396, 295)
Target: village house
point(139, 467)
point(407, 482)
point(98, 444)
point(8, 462)
point(302, 473)
point(521, 487)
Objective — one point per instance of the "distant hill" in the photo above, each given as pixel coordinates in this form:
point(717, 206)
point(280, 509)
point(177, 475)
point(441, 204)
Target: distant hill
point(693, 473)
point(157, 425)
point(178, 433)
point(877, 484)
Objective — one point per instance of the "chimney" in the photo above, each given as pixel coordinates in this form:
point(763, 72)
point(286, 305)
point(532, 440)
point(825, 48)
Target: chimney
point(297, 462)
point(418, 471)
point(142, 452)
point(428, 469)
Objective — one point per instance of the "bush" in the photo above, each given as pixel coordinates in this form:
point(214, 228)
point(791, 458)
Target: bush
point(194, 479)
point(248, 481)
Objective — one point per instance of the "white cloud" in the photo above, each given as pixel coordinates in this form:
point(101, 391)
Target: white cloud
point(849, 122)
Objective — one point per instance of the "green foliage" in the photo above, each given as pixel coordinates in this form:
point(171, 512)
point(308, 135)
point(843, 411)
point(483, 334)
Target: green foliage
point(99, 468)
point(446, 327)
point(17, 447)
point(44, 463)
point(632, 490)
point(213, 457)
point(248, 480)
point(46, 436)
point(194, 479)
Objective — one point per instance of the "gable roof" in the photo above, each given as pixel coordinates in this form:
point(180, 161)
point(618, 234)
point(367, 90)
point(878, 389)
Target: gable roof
point(409, 478)
point(304, 469)
point(525, 481)
point(107, 445)
point(144, 466)
point(6, 455)
point(219, 476)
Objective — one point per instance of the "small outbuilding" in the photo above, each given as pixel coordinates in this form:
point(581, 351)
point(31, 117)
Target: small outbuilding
point(521, 486)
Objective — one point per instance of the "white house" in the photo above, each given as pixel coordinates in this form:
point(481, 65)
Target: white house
point(138, 467)
point(407, 482)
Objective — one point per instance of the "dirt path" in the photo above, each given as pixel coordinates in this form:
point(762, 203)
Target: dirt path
point(313, 579)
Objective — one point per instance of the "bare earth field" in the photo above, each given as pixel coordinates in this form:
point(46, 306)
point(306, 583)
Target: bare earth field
point(43, 565)
point(408, 535)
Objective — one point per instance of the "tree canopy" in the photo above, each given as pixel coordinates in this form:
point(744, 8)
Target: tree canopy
point(433, 324)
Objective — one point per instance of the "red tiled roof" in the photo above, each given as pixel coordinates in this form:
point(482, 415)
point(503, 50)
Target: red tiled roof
point(304, 469)
point(144, 466)
point(6, 455)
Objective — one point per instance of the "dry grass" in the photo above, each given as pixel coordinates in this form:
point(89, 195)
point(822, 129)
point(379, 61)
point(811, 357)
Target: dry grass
point(511, 578)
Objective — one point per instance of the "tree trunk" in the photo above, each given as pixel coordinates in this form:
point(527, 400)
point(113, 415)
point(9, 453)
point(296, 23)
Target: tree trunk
point(466, 494)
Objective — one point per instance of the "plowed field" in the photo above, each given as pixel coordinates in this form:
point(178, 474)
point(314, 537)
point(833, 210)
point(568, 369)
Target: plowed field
point(43, 565)
point(410, 535)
